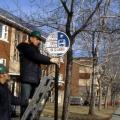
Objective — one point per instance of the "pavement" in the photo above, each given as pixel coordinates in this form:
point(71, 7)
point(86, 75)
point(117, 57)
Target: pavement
point(42, 118)
point(116, 115)
point(46, 118)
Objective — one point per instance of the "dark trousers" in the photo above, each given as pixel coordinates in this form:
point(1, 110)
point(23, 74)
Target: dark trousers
point(27, 91)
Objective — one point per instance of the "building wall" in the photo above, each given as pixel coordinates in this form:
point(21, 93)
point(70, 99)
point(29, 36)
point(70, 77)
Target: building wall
point(5, 48)
point(81, 77)
point(16, 38)
point(63, 67)
point(8, 50)
point(75, 80)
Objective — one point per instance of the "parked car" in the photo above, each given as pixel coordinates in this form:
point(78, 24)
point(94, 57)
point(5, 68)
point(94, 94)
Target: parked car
point(76, 100)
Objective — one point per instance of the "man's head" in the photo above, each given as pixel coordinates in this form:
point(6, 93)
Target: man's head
point(4, 77)
point(35, 38)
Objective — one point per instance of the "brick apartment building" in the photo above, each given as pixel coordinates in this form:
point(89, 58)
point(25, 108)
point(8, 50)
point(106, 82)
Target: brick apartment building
point(13, 30)
point(81, 77)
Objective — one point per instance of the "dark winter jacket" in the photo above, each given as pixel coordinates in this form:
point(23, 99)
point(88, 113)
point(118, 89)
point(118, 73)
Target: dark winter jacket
point(6, 100)
point(30, 60)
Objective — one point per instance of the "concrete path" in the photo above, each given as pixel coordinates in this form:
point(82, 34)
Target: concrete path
point(116, 115)
point(42, 118)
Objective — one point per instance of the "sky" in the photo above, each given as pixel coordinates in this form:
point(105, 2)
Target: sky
point(25, 8)
point(12, 5)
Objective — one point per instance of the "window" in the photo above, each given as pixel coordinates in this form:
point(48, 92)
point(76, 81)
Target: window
point(3, 32)
point(84, 75)
point(16, 42)
point(25, 38)
point(84, 69)
point(0, 30)
point(3, 61)
point(42, 49)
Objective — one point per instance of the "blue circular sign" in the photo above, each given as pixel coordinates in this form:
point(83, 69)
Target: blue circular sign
point(57, 44)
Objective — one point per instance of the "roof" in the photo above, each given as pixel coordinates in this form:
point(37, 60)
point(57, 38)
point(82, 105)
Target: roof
point(14, 21)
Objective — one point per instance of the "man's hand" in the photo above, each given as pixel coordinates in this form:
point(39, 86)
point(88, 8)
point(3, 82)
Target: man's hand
point(55, 60)
point(4, 78)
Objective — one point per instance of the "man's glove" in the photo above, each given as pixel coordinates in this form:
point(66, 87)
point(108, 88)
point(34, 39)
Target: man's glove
point(55, 60)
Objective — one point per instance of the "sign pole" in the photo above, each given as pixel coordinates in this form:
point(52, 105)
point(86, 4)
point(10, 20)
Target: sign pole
point(56, 92)
point(57, 44)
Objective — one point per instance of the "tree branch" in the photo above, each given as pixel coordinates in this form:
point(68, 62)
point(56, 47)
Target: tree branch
point(71, 8)
point(69, 20)
point(65, 6)
point(88, 19)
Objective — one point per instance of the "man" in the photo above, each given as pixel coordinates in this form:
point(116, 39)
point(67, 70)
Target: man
point(30, 60)
point(6, 98)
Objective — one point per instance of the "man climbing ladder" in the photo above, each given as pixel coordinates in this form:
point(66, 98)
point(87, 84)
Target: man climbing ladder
point(30, 60)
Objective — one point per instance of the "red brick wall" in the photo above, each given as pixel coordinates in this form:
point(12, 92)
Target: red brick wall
point(84, 75)
point(63, 67)
point(76, 88)
point(63, 72)
point(75, 80)
point(5, 48)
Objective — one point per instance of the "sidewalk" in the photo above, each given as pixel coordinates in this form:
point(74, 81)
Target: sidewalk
point(46, 118)
point(116, 115)
point(42, 118)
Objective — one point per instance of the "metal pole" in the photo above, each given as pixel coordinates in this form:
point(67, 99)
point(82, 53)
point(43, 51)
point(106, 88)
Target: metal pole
point(56, 92)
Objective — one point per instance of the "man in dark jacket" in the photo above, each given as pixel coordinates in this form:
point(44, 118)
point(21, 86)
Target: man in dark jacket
point(6, 97)
point(30, 60)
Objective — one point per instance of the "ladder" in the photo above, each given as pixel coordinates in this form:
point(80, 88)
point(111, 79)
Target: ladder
point(40, 97)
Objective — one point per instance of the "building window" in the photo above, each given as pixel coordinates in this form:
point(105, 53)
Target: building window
point(3, 61)
point(16, 42)
point(84, 75)
point(42, 49)
point(3, 32)
point(84, 69)
point(25, 38)
point(0, 30)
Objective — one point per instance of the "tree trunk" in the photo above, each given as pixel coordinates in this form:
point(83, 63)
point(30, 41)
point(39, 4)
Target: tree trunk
point(100, 96)
point(92, 97)
point(113, 99)
point(106, 98)
point(87, 91)
point(67, 85)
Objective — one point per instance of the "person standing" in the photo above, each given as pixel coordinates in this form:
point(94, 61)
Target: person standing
point(30, 61)
point(6, 97)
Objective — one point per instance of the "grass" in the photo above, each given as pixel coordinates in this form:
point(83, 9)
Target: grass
point(80, 112)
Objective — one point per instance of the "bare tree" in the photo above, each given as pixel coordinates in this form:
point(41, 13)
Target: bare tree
point(73, 17)
point(72, 31)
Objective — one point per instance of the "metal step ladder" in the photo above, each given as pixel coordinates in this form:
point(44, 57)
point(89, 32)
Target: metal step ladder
point(39, 99)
